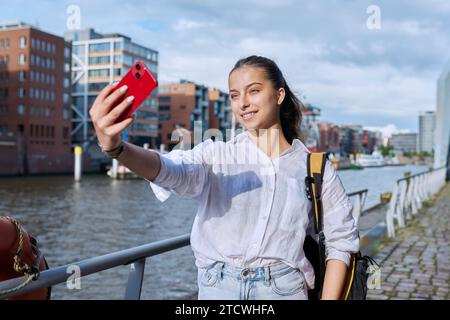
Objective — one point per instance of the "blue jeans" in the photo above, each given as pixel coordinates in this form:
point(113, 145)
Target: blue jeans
point(279, 281)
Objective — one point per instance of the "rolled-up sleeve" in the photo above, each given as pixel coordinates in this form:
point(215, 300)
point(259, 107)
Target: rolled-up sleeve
point(339, 226)
point(183, 172)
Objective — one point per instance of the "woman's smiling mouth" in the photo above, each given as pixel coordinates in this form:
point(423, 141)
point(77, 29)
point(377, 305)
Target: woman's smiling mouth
point(248, 116)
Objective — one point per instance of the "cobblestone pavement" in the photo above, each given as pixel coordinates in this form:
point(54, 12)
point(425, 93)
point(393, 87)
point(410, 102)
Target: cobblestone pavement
point(416, 264)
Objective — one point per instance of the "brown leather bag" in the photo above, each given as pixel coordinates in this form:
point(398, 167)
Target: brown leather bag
point(19, 256)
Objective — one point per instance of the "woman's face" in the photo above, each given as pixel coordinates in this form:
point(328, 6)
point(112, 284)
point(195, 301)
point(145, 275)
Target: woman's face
point(254, 101)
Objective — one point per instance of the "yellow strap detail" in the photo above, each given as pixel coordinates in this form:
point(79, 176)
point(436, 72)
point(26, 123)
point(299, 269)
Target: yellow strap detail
point(315, 165)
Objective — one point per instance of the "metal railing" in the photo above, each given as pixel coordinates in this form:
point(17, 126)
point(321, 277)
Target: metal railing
point(135, 256)
point(408, 195)
point(358, 204)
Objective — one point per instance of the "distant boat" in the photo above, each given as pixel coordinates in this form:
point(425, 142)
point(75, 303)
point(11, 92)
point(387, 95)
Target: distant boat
point(354, 166)
point(370, 160)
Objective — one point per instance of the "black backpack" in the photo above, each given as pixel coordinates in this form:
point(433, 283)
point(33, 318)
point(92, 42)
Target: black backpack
point(355, 287)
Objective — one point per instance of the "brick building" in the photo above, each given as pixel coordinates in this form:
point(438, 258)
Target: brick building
point(35, 117)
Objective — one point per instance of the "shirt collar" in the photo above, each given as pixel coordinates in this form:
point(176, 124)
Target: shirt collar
point(297, 145)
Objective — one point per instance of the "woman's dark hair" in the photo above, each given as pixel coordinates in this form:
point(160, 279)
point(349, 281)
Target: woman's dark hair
point(291, 107)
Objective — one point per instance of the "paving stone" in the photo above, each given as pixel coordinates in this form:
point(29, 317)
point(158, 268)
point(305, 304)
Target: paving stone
point(418, 268)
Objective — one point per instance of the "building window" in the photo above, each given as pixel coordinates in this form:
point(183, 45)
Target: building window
point(3, 92)
point(21, 92)
point(164, 108)
point(31, 130)
point(118, 45)
point(99, 73)
point(164, 117)
point(22, 58)
point(21, 109)
point(67, 52)
point(52, 131)
point(23, 42)
point(31, 93)
point(99, 47)
point(4, 60)
point(22, 75)
point(65, 133)
point(65, 113)
point(3, 109)
point(4, 44)
point(164, 99)
point(99, 60)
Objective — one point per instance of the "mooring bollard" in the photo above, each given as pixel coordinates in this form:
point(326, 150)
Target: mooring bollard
point(78, 151)
point(115, 168)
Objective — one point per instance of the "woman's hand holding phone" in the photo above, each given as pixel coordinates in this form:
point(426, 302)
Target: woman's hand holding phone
point(107, 108)
point(113, 107)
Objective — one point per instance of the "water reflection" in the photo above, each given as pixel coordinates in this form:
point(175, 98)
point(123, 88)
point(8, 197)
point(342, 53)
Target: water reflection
point(75, 221)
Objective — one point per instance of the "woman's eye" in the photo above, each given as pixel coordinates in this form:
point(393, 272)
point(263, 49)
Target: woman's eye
point(254, 90)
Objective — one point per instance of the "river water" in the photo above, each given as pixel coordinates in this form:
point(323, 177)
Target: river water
point(74, 221)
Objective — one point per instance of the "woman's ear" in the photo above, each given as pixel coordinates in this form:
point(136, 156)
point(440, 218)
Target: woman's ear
point(281, 95)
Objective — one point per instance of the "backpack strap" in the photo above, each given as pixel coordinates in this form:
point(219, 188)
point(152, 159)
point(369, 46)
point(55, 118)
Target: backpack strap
point(313, 181)
point(315, 170)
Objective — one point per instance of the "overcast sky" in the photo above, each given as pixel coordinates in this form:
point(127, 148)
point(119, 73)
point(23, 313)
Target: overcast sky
point(377, 77)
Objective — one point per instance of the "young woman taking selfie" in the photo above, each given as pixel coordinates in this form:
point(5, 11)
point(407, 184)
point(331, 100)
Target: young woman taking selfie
point(253, 214)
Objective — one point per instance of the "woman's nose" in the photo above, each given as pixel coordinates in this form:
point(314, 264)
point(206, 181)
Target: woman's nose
point(243, 103)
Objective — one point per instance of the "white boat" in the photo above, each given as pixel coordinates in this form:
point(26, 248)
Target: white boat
point(371, 160)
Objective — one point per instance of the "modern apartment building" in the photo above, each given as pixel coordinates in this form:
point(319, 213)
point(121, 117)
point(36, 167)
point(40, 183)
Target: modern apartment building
point(404, 142)
point(442, 131)
point(427, 126)
point(99, 59)
point(180, 106)
point(220, 114)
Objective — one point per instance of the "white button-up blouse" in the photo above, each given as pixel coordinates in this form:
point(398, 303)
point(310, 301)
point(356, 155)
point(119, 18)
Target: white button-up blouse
point(253, 211)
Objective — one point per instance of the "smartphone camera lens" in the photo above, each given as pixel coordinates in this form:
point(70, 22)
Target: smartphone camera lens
point(138, 75)
point(138, 67)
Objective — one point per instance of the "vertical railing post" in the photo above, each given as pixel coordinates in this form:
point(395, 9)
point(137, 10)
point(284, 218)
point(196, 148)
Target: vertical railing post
point(400, 205)
point(390, 213)
point(356, 212)
point(135, 277)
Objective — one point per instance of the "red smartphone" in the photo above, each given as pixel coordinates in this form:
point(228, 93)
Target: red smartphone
point(140, 84)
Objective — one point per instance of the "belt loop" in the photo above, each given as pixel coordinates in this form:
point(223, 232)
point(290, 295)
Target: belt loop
point(219, 266)
point(267, 275)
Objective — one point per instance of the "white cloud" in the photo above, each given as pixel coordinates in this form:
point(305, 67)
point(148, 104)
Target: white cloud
point(386, 131)
point(324, 50)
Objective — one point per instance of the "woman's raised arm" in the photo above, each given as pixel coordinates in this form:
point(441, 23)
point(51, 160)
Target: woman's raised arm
point(108, 106)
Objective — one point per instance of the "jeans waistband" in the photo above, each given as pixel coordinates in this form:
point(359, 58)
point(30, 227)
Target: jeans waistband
point(253, 273)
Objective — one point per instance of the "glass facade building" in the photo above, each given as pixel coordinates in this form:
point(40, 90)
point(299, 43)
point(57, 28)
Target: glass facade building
point(97, 60)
